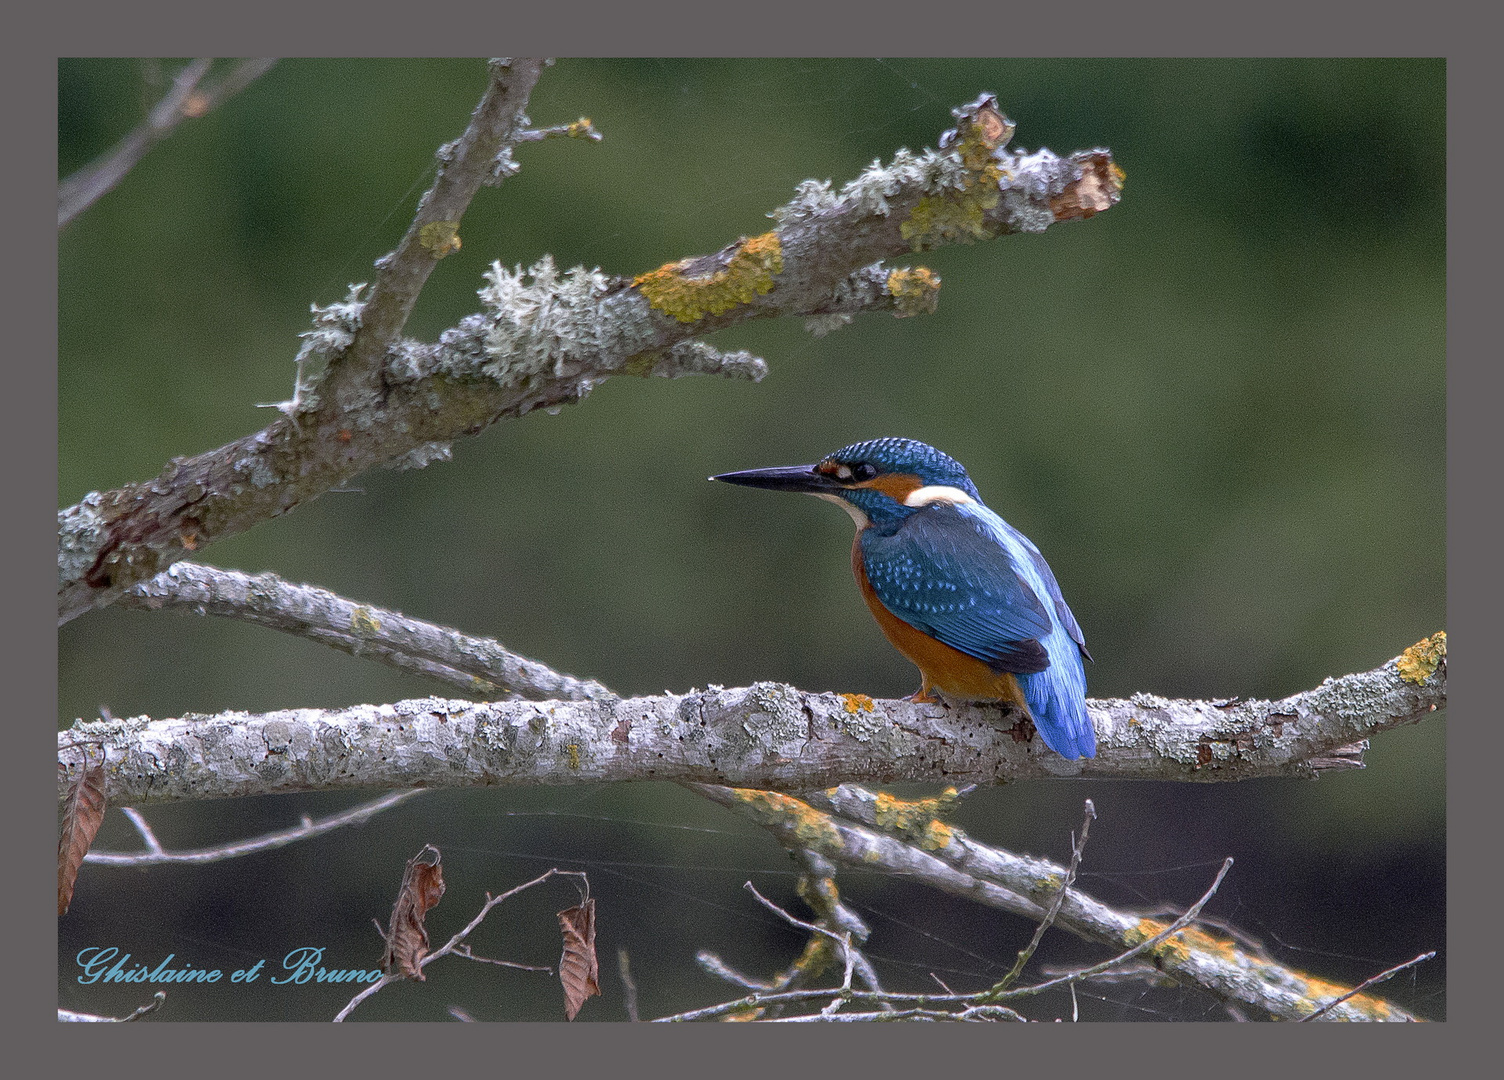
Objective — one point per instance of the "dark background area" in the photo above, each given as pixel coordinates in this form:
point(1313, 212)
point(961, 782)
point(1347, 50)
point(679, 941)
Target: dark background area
point(1217, 408)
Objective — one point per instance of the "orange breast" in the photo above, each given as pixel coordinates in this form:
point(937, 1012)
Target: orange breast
point(942, 668)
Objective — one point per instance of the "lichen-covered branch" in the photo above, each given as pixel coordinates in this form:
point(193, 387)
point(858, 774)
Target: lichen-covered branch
point(546, 339)
point(479, 666)
point(765, 736)
point(871, 831)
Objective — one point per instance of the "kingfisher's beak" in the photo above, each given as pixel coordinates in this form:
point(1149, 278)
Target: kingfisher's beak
point(802, 478)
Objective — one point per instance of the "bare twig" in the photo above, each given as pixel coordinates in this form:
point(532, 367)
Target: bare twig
point(1382, 976)
point(842, 939)
point(266, 842)
point(1077, 848)
point(453, 945)
point(81, 190)
point(476, 665)
point(1124, 957)
point(156, 1002)
point(628, 984)
point(464, 165)
point(149, 838)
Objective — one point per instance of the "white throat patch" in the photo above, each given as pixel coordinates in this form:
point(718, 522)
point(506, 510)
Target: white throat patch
point(861, 519)
point(937, 493)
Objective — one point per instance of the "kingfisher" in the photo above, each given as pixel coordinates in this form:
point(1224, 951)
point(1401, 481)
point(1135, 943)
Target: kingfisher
point(960, 592)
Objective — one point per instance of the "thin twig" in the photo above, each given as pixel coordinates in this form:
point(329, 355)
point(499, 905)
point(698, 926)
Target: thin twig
point(1380, 977)
point(81, 190)
point(453, 944)
point(156, 1002)
point(267, 841)
point(628, 984)
point(463, 166)
point(981, 1000)
point(1138, 950)
point(149, 838)
point(1078, 847)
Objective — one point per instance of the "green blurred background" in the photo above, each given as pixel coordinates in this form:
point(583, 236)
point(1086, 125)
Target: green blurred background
point(1217, 408)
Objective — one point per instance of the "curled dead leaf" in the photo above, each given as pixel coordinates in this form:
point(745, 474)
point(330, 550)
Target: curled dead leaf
point(406, 936)
point(578, 968)
point(83, 813)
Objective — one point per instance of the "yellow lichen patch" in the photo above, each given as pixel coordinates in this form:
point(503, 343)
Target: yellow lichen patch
point(677, 288)
point(440, 238)
point(959, 216)
point(580, 129)
point(818, 953)
point(937, 835)
point(572, 751)
point(1192, 941)
point(1420, 661)
point(363, 622)
point(857, 703)
point(916, 290)
point(956, 217)
point(811, 827)
point(916, 818)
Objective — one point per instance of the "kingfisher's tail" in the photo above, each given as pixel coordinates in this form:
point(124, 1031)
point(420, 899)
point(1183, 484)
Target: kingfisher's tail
point(1057, 698)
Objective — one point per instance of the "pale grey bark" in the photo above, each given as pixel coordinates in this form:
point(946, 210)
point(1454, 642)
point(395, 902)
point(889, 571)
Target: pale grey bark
point(480, 666)
point(766, 736)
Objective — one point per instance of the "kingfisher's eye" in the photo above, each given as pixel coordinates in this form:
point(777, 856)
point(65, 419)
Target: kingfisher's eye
point(863, 471)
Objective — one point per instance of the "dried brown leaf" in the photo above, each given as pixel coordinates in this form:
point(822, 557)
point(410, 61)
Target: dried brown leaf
point(578, 969)
point(406, 937)
point(83, 813)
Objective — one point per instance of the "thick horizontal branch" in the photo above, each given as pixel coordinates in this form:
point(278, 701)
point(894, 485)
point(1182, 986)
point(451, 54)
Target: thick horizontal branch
point(765, 736)
point(868, 831)
point(545, 339)
point(480, 665)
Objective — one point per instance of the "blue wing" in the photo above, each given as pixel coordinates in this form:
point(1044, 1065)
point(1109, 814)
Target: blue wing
point(966, 577)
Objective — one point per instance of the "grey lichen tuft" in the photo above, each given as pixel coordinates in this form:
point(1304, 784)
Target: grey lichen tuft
point(334, 326)
point(81, 533)
point(1024, 214)
point(811, 197)
point(929, 173)
point(420, 456)
point(820, 325)
point(537, 325)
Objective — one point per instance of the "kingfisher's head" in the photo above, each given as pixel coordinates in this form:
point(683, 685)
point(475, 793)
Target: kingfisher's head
point(879, 482)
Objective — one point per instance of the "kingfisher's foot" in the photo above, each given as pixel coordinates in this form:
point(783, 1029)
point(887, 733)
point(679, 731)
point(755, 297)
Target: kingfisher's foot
point(924, 698)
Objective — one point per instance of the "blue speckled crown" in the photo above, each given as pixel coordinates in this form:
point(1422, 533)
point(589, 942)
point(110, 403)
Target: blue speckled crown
point(909, 456)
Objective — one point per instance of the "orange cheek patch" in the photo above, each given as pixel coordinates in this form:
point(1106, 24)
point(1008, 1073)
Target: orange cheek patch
point(897, 486)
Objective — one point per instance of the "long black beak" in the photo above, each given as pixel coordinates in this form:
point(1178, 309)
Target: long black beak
point(801, 478)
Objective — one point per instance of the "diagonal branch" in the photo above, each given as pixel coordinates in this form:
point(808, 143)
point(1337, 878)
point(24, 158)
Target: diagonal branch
point(186, 99)
point(764, 736)
point(476, 665)
point(942, 856)
point(355, 374)
point(547, 339)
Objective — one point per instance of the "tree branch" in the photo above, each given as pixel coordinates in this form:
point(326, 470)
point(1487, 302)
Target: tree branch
point(861, 829)
point(476, 665)
point(155, 853)
point(81, 190)
point(765, 736)
point(546, 339)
